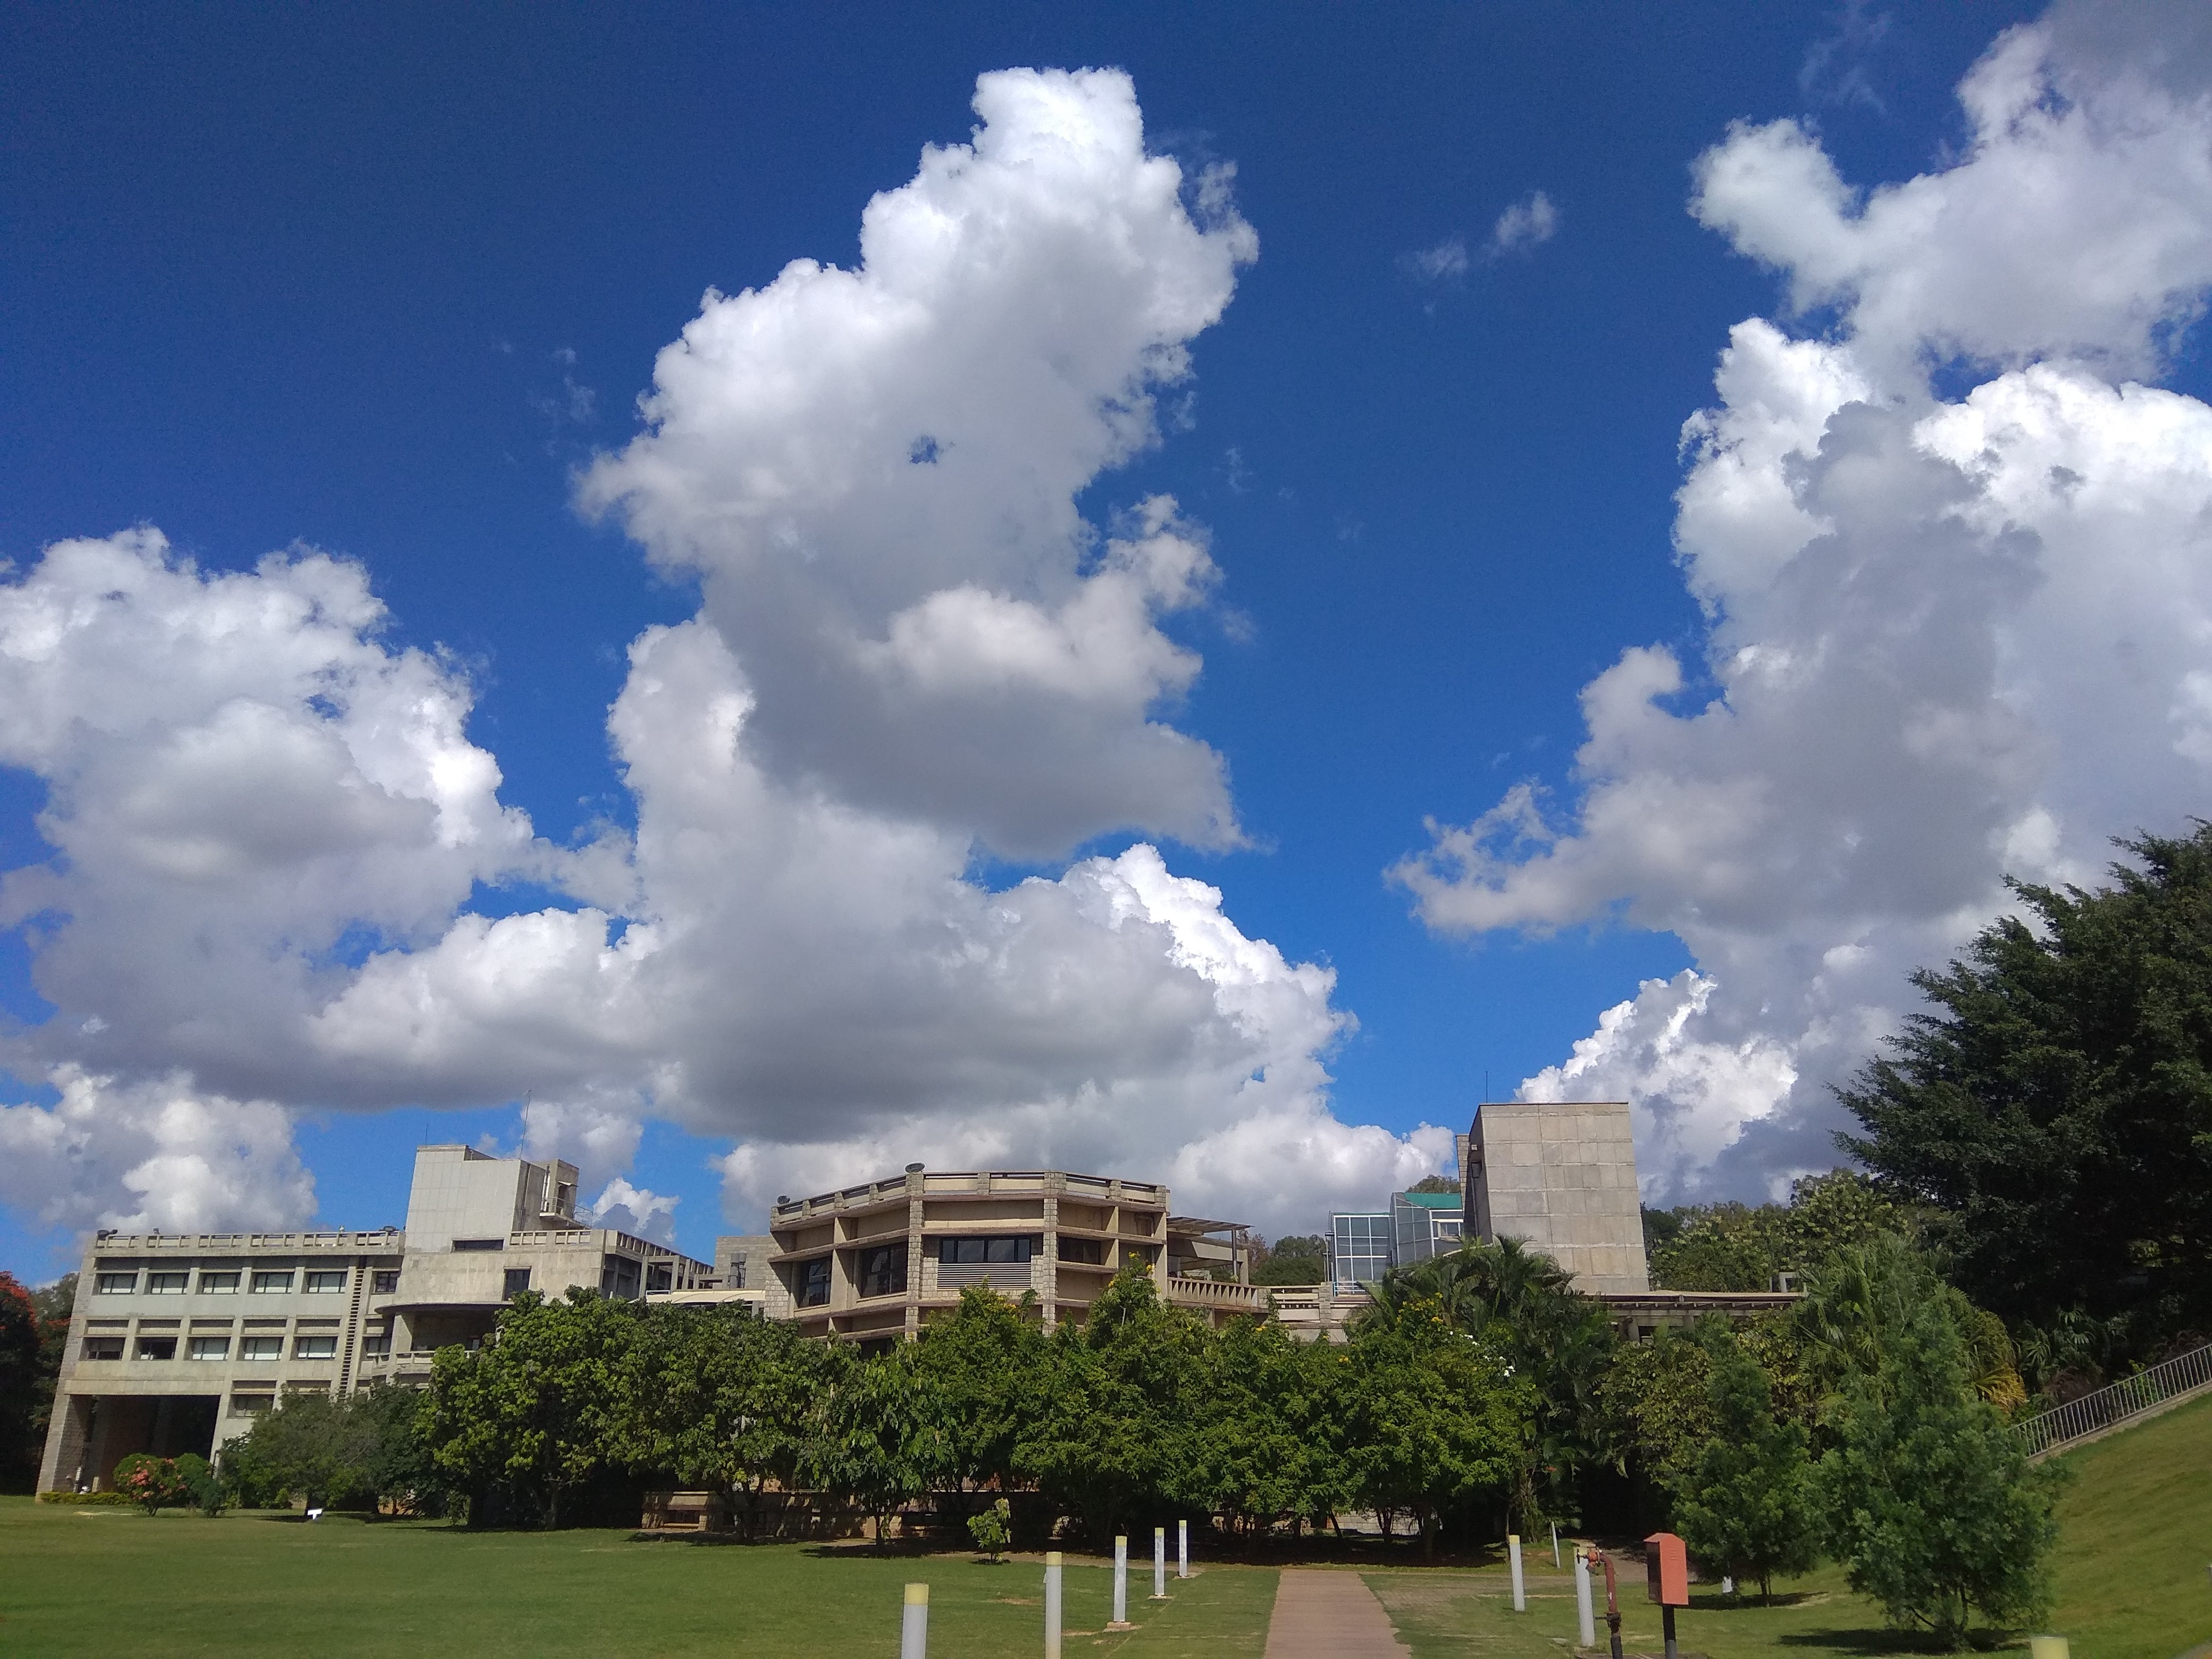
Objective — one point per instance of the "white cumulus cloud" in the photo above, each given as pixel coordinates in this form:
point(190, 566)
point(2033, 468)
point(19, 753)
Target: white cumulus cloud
point(913, 649)
point(1949, 640)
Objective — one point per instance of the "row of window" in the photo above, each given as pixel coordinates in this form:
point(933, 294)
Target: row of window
point(882, 1268)
point(266, 1281)
point(218, 1347)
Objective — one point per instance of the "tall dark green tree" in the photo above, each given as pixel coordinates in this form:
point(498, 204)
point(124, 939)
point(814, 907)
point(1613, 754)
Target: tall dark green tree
point(881, 1439)
point(2054, 1109)
point(982, 1363)
point(20, 1380)
point(1746, 1503)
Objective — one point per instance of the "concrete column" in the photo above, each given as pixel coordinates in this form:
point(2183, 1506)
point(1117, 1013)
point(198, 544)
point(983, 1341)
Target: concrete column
point(913, 1628)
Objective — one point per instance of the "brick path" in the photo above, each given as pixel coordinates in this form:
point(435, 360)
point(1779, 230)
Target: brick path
point(1328, 1615)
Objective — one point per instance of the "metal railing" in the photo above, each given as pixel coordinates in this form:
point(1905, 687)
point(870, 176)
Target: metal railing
point(2130, 1396)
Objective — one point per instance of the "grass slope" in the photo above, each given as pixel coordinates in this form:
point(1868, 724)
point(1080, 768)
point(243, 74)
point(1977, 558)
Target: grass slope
point(111, 1581)
point(2137, 1539)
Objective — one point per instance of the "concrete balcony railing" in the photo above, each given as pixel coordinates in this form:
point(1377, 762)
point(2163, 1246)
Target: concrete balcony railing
point(1214, 1295)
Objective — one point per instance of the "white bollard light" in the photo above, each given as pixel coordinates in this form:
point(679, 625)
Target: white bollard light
point(1120, 1582)
point(1555, 1543)
point(1585, 1615)
point(1183, 1549)
point(914, 1630)
point(1159, 1564)
point(1052, 1618)
point(1520, 1592)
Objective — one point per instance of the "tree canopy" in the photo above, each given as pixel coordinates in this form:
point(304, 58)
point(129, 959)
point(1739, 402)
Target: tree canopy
point(2054, 1111)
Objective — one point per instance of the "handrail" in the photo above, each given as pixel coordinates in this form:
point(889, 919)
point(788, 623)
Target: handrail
point(2116, 1402)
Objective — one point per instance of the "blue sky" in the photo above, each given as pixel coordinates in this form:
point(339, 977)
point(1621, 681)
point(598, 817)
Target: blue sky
point(383, 283)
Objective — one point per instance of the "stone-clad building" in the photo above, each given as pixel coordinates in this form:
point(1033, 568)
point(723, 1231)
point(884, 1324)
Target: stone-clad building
point(1561, 1177)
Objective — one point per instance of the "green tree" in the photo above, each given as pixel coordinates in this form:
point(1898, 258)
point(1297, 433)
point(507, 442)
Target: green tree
point(537, 1411)
point(1929, 1501)
point(993, 1529)
point(982, 1363)
point(1522, 1305)
point(882, 1439)
point(152, 1482)
point(311, 1446)
point(20, 1384)
point(1746, 1503)
point(1262, 1447)
point(1657, 1398)
point(1435, 1183)
point(724, 1400)
point(2054, 1109)
point(1433, 1419)
point(1112, 1440)
point(1300, 1259)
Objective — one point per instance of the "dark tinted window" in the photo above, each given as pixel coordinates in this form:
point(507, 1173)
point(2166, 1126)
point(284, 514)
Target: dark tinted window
point(883, 1270)
point(1019, 1248)
point(813, 1286)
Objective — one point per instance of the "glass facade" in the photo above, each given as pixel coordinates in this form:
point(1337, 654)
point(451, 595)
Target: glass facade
point(1360, 1250)
point(1424, 1224)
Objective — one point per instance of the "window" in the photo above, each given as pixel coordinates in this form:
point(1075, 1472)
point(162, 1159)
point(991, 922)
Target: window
point(101, 1347)
point(261, 1347)
point(251, 1405)
point(314, 1347)
point(376, 1345)
point(322, 1280)
point(268, 1281)
point(157, 1347)
point(618, 1277)
point(479, 1244)
point(883, 1270)
point(210, 1347)
point(518, 1280)
point(813, 1288)
point(985, 1250)
point(114, 1284)
point(659, 1276)
point(218, 1283)
point(1092, 1250)
point(167, 1284)
point(385, 1281)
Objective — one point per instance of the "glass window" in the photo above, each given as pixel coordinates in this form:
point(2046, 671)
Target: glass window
point(102, 1347)
point(157, 1347)
point(1092, 1250)
point(518, 1280)
point(114, 1284)
point(267, 1280)
point(167, 1284)
point(479, 1244)
point(883, 1270)
point(261, 1347)
point(385, 1281)
point(377, 1346)
point(325, 1280)
point(218, 1283)
point(961, 1251)
point(315, 1347)
point(812, 1290)
point(210, 1347)
point(251, 1405)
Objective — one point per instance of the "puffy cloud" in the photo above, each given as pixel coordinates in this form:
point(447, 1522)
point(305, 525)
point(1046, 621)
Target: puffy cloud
point(152, 1156)
point(1948, 642)
point(1444, 263)
point(874, 471)
point(912, 648)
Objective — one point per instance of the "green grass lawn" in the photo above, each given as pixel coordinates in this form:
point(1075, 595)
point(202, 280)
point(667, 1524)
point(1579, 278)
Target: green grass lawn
point(111, 1581)
point(2131, 1576)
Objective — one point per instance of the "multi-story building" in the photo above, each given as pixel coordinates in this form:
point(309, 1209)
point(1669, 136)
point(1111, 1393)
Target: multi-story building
point(873, 1263)
point(178, 1342)
point(1424, 1224)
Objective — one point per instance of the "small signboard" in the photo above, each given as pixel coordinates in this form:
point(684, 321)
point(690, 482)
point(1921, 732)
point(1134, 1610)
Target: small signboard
point(1668, 1565)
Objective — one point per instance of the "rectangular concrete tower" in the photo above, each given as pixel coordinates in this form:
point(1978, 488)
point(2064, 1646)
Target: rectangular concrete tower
point(1561, 1177)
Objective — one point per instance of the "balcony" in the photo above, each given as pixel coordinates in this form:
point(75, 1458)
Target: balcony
point(1216, 1297)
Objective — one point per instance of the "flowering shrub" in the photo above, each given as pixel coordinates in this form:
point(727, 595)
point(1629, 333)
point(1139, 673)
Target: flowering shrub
point(151, 1482)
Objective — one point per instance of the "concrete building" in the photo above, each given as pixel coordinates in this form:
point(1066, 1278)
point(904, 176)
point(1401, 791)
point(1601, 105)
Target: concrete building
point(1561, 1177)
point(873, 1263)
point(178, 1342)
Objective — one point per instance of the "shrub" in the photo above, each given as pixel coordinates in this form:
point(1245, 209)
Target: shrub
point(151, 1482)
point(993, 1527)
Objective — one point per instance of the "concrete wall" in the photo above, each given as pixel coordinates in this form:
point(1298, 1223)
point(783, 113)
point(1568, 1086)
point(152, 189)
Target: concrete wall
point(1561, 1177)
point(458, 1192)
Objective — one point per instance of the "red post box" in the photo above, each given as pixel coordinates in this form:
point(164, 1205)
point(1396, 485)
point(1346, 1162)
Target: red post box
point(1669, 1563)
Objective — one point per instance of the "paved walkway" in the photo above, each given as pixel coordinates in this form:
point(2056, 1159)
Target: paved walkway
point(1328, 1615)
